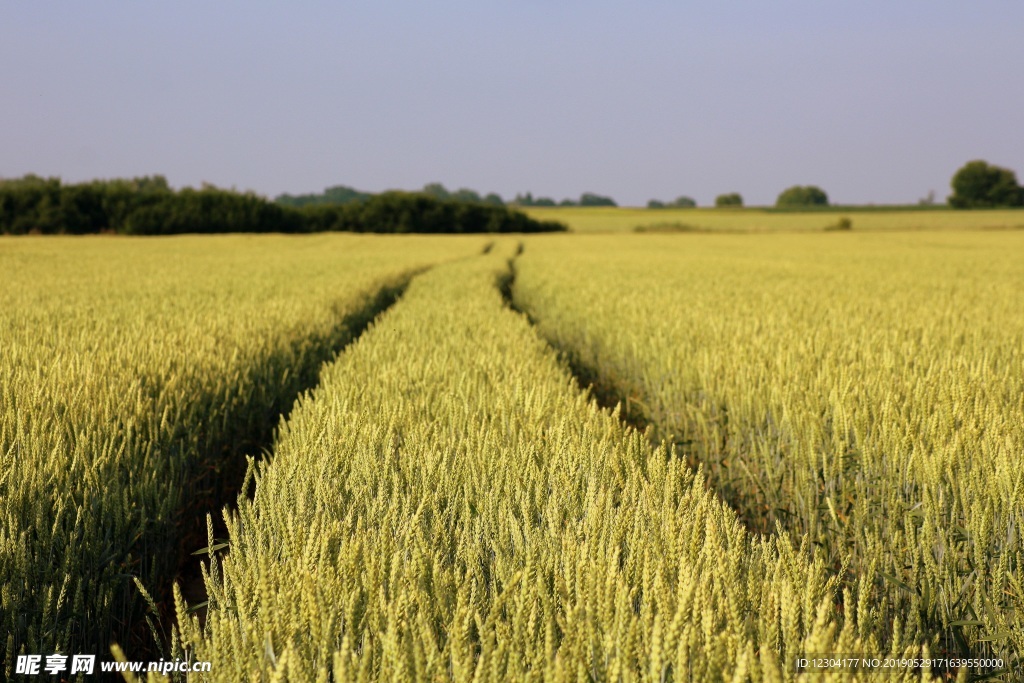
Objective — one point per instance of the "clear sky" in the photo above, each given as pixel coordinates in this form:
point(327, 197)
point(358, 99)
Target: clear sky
point(874, 101)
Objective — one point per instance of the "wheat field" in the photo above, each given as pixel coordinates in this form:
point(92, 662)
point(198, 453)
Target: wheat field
point(863, 392)
point(810, 445)
point(134, 375)
point(448, 505)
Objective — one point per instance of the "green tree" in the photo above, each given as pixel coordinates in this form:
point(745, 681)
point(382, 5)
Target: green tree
point(655, 204)
point(464, 194)
point(729, 199)
point(591, 199)
point(979, 184)
point(436, 190)
point(338, 194)
point(685, 202)
point(802, 195)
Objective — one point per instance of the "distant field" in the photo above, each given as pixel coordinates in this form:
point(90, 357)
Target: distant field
point(621, 219)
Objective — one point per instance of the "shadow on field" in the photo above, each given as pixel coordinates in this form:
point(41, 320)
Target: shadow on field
point(629, 409)
point(250, 432)
point(632, 410)
point(762, 513)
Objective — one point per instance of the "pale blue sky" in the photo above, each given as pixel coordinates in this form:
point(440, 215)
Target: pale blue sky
point(875, 101)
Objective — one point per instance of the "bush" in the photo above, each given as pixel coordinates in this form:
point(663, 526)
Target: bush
point(674, 226)
point(730, 199)
point(677, 203)
point(980, 185)
point(843, 223)
point(591, 199)
point(802, 195)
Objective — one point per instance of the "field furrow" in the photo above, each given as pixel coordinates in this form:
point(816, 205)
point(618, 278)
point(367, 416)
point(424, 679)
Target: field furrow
point(134, 378)
point(864, 392)
point(449, 505)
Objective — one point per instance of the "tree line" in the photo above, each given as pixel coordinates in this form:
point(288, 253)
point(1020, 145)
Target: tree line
point(407, 212)
point(976, 185)
point(149, 206)
point(586, 199)
point(343, 194)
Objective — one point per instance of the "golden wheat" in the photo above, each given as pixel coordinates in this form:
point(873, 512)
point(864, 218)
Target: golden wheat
point(130, 371)
point(866, 391)
point(448, 505)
